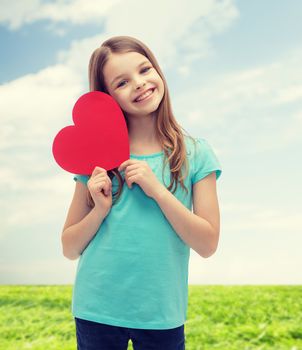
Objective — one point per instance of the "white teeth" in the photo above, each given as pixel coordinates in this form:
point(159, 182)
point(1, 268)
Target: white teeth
point(144, 95)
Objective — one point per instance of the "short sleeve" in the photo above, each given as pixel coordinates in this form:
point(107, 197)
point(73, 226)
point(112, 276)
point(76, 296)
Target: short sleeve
point(82, 178)
point(205, 161)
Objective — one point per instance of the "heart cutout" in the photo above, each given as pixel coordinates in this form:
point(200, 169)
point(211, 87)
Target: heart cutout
point(99, 136)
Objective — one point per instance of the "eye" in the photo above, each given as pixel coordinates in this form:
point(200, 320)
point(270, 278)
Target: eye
point(143, 70)
point(120, 84)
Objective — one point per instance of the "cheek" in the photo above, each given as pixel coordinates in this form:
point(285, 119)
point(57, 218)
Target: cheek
point(159, 81)
point(161, 85)
point(123, 100)
point(123, 97)
point(119, 97)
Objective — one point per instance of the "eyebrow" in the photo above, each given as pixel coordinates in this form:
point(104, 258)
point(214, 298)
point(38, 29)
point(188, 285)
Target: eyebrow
point(121, 75)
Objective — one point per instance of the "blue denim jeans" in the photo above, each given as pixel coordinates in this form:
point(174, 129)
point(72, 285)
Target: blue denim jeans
point(99, 336)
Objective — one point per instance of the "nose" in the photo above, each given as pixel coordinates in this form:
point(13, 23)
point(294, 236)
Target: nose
point(139, 84)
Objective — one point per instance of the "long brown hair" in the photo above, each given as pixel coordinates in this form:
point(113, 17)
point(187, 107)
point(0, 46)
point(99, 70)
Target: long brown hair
point(168, 131)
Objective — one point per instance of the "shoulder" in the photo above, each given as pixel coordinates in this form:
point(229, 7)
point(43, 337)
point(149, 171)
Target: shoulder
point(203, 159)
point(195, 144)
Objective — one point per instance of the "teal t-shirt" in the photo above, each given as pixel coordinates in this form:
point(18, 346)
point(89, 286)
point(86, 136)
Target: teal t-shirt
point(134, 271)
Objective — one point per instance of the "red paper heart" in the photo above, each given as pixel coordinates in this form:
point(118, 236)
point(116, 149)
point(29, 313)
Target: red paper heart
point(99, 136)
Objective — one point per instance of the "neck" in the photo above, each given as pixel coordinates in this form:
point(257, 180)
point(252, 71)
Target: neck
point(141, 130)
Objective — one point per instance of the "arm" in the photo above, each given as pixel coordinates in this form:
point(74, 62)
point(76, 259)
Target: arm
point(199, 230)
point(81, 224)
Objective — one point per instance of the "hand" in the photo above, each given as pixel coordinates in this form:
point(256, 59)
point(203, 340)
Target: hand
point(139, 171)
point(100, 188)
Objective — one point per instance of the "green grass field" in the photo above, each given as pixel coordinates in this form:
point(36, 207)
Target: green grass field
point(219, 317)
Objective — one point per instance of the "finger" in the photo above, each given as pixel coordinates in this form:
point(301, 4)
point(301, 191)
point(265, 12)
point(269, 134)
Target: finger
point(131, 172)
point(108, 187)
point(109, 179)
point(99, 182)
point(132, 167)
point(100, 176)
point(122, 166)
point(129, 181)
point(97, 186)
point(98, 170)
point(108, 192)
point(126, 163)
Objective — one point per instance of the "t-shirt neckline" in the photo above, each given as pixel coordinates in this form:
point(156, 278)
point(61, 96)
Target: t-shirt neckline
point(152, 155)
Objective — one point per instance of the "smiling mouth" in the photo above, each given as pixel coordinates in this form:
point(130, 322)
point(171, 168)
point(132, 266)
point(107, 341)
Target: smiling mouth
point(135, 101)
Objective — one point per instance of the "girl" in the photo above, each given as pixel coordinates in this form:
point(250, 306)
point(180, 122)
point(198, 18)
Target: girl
point(132, 275)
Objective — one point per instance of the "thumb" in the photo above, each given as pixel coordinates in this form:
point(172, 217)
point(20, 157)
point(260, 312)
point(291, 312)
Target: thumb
point(108, 189)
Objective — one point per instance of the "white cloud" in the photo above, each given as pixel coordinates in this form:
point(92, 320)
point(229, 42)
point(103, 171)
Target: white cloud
point(185, 27)
point(184, 70)
point(267, 84)
point(245, 218)
point(216, 15)
point(15, 14)
point(251, 101)
point(289, 94)
point(230, 269)
point(44, 271)
point(293, 131)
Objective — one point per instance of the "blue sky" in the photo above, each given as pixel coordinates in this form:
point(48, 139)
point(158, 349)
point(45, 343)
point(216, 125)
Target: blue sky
point(233, 70)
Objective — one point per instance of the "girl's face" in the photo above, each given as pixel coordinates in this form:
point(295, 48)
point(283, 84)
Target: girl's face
point(127, 76)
